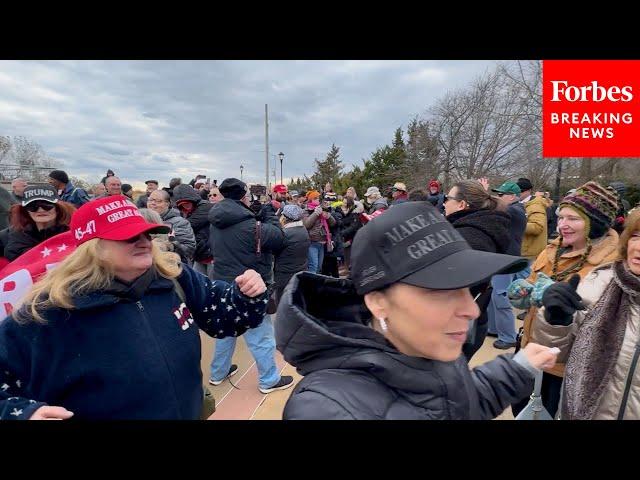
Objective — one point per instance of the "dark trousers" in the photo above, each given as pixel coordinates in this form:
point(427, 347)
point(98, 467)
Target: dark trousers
point(330, 266)
point(550, 394)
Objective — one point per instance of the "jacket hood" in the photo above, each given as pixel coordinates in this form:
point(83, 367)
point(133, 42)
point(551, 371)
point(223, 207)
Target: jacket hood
point(380, 200)
point(495, 224)
point(229, 212)
point(323, 323)
point(186, 192)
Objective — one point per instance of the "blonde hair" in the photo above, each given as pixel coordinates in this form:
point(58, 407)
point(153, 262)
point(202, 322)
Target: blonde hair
point(84, 271)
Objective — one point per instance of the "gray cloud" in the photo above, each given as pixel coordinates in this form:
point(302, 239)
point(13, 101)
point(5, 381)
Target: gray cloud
point(179, 118)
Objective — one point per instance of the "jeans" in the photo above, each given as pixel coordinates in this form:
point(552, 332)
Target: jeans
point(315, 257)
point(501, 318)
point(262, 345)
point(524, 274)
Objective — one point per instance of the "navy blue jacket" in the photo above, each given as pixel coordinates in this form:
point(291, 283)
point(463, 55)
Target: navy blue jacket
point(74, 195)
point(112, 358)
point(518, 225)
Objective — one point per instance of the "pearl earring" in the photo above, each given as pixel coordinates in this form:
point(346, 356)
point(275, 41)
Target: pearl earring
point(383, 324)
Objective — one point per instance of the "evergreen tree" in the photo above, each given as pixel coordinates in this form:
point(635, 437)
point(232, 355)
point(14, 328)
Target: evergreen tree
point(328, 170)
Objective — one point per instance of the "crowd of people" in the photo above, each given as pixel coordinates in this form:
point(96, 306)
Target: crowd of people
point(380, 301)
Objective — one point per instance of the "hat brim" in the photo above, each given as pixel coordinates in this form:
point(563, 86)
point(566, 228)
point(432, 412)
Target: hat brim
point(465, 268)
point(31, 200)
point(126, 232)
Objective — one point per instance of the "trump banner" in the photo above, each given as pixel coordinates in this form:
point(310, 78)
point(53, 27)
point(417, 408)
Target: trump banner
point(18, 276)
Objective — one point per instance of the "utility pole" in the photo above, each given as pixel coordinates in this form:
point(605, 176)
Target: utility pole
point(266, 144)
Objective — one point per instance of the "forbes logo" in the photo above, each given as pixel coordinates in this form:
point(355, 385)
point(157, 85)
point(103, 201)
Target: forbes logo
point(562, 92)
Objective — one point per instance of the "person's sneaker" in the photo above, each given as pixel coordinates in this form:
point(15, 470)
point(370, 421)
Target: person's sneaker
point(286, 381)
point(232, 371)
point(503, 345)
point(521, 316)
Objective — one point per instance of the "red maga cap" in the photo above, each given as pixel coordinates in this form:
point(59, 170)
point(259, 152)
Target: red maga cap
point(110, 218)
point(280, 189)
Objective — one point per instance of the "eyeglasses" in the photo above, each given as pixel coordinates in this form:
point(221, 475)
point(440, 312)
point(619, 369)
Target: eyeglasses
point(46, 206)
point(137, 237)
point(213, 195)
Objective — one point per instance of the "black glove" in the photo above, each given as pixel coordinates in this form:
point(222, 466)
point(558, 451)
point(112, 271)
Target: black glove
point(561, 301)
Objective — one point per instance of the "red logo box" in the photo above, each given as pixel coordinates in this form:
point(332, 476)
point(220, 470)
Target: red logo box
point(591, 108)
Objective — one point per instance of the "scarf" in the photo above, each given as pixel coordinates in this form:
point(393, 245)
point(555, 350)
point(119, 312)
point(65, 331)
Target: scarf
point(597, 345)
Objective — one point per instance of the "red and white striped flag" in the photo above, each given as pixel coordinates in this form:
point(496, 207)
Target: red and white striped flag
point(18, 276)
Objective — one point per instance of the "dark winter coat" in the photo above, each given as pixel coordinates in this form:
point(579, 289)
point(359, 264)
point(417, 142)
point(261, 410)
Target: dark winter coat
point(6, 200)
point(199, 219)
point(293, 257)
point(233, 241)
point(185, 241)
point(142, 201)
point(20, 242)
point(336, 234)
point(352, 372)
point(487, 231)
point(351, 223)
point(437, 201)
point(518, 216)
point(4, 237)
point(130, 352)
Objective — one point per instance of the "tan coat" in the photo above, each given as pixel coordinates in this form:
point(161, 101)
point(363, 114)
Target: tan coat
point(603, 251)
point(535, 236)
point(590, 289)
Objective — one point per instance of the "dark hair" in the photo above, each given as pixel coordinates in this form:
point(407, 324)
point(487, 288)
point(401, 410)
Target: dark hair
point(418, 196)
point(472, 192)
point(20, 218)
point(175, 182)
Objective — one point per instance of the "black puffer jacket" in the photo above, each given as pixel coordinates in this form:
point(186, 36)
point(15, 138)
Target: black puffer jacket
point(198, 219)
point(233, 241)
point(20, 242)
point(293, 257)
point(336, 234)
point(352, 372)
point(518, 226)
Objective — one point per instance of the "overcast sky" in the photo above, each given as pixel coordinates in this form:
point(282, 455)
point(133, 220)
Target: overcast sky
point(159, 119)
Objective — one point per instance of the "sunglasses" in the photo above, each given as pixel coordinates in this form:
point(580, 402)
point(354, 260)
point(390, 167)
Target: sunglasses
point(137, 237)
point(213, 195)
point(457, 199)
point(46, 206)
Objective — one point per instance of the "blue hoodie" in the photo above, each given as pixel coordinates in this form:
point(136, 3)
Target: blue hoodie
point(114, 358)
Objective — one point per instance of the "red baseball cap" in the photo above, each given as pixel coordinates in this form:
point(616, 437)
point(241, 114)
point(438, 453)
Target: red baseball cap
point(280, 188)
point(111, 218)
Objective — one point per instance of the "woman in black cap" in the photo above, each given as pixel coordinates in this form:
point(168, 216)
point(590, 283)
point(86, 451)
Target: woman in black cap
point(387, 344)
point(40, 216)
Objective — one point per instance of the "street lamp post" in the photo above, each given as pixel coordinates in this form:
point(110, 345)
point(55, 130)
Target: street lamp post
point(281, 156)
point(241, 169)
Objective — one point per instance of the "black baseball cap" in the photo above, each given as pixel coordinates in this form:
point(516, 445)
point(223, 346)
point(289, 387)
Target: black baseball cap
point(413, 243)
point(39, 192)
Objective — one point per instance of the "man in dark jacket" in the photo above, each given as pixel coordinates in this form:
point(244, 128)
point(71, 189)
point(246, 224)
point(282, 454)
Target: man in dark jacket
point(237, 240)
point(172, 185)
point(196, 210)
point(17, 189)
point(152, 186)
point(501, 318)
point(294, 254)
point(436, 197)
point(68, 193)
point(5, 205)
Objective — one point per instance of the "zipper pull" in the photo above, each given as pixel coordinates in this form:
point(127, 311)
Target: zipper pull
point(139, 304)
